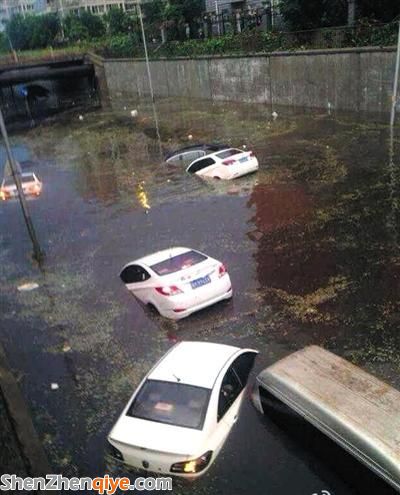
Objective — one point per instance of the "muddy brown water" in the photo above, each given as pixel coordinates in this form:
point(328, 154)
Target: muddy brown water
point(310, 242)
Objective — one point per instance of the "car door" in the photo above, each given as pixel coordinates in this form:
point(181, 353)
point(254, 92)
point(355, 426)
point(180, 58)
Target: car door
point(201, 167)
point(136, 279)
point(230, 394)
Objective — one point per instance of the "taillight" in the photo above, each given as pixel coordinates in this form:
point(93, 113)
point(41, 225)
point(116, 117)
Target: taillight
point(221, 270)
point(229, 161)
point(193, 466)
point(169, 291)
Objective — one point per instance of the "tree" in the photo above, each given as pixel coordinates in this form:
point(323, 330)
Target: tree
point(74, 30)
point(3, 42)
point(312, 14)
point(118, 21)
point(17, 32)
point(154, 12)
point(384, 10)
point(192, 10)
point(83, 26)
point(93, 23)
point(45, 29)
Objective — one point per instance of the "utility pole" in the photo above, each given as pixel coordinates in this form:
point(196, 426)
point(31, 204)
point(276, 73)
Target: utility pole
point(38, 254)
point(351, 12)
point(62, 19)
point(396, 81)
point(149, 76)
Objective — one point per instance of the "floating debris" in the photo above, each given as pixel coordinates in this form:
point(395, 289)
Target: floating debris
point(190, 137)
point(80, 117)
point(274, 115)
point(54, 386)
point(28, 286)
point(134, 113)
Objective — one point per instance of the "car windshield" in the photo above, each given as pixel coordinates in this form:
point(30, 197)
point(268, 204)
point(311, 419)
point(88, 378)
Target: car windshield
point(9, 181)
point(171, 403)
point(178, 263)
point(228, 153)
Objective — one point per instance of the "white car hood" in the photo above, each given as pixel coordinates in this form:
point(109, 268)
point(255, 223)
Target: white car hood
point(157, 436)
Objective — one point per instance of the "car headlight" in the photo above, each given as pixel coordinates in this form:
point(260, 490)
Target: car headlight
point(114, 452)
point(192, 466)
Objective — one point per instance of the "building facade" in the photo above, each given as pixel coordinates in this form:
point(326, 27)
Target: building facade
point(224, 6)
point(93, 6)
point(8, 8)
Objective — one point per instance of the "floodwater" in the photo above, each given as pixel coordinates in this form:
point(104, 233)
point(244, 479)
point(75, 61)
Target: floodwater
point(310, 242)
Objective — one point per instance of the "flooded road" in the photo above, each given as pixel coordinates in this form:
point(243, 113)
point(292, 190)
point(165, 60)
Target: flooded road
point(310, 242)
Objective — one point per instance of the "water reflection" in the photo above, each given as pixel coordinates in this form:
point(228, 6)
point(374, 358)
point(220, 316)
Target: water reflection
point(142, 196)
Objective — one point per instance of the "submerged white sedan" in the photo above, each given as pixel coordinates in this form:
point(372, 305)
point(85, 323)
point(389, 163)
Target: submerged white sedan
point(225, 164)
point(182, 412)
point(177, 281)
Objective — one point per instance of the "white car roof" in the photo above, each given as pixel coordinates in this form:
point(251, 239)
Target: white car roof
point(194, 363)
point(215, 153)
point(23, 175)
point(154, 258)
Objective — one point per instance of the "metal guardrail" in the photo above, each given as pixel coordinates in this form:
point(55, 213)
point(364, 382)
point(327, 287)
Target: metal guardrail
point(256, 39)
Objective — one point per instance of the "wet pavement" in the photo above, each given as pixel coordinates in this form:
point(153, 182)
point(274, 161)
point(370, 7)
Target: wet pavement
point(310, 242)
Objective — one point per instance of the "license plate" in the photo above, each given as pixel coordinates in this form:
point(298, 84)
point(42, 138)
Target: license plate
point(244, 159)
point(199, 282)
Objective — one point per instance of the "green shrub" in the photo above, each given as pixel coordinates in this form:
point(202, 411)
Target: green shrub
point(121, 46)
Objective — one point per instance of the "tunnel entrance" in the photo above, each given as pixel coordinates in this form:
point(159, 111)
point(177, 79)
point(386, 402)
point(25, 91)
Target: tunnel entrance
point(31, 93)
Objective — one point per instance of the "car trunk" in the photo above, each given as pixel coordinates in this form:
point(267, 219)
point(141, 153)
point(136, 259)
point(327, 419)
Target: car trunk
point(194, 277)
point(152, 445)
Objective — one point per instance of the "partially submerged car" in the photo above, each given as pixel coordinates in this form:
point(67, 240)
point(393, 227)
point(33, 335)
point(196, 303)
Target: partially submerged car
point(182, 412)
point(177, 281)
point(226, 164)
point(216, 161)
point(186, 155)
point(31, 186)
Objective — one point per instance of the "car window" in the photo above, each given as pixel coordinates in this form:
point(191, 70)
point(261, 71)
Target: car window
point(200, 165)
point(186, 157)
point(179, 262)
point(171, 403)
point(243, 365)
point(9, 181)
point(27, 178)
point(134, 273)
point(229, 391)
point(228, 153)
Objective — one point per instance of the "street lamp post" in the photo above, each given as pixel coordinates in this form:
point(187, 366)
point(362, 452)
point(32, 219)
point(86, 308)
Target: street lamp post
point(146, 54)
point(396, 81)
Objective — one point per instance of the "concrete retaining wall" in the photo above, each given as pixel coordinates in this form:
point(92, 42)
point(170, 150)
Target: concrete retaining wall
point(349, 79)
